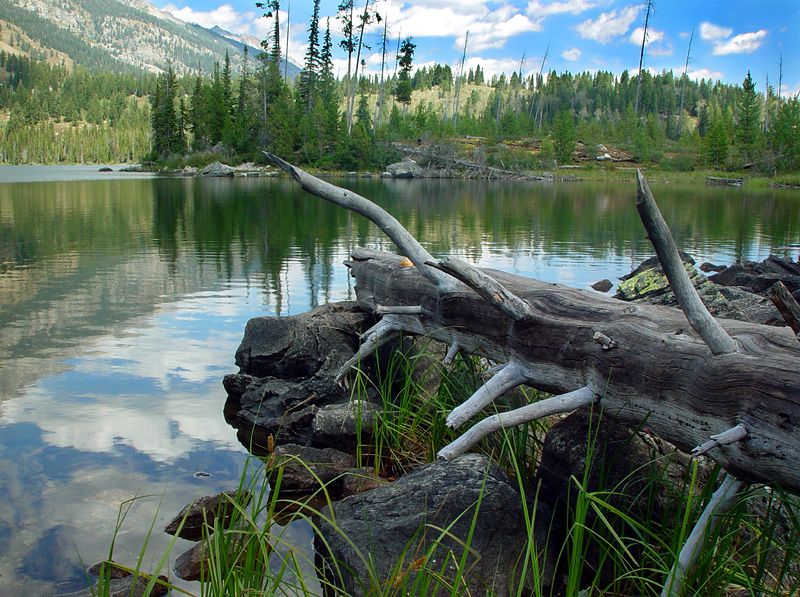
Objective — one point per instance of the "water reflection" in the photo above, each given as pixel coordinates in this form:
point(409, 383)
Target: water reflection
point(122, 302)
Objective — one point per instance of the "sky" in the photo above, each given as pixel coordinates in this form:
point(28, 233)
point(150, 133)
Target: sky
point(729, 37)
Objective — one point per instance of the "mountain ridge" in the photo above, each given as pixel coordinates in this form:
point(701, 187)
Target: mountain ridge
point(117, 35)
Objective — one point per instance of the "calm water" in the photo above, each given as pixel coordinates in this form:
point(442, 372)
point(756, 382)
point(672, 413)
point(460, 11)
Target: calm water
point(123, 298)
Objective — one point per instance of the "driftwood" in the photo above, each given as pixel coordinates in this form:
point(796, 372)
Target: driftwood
point(725, 388)
point(785, 303)
point(475, 167)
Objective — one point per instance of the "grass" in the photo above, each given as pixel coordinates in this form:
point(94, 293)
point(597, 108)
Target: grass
point(605, 549)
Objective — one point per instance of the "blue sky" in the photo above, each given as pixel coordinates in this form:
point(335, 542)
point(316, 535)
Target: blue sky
point(730, 36)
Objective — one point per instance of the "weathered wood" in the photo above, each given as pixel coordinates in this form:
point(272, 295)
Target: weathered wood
point(543, 408)
point(510, 376)
point(660, 236)
point(786, 305)
point(659, 371)
point(649, 365)
point(721, 501)
point(361, 205)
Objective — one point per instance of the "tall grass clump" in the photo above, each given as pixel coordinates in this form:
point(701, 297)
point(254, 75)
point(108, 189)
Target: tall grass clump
point(607, 536)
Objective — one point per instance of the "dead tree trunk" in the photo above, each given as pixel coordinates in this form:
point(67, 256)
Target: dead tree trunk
point(719, 387)
point(643, 362)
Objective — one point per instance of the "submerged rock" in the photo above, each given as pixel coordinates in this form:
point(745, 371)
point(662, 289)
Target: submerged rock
point(121, 583)
point(603, 286)
point(404, 521)
point(302, 469)
point(199, 516)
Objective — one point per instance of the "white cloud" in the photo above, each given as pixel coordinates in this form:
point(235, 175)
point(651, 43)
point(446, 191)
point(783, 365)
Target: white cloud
point(493, 66)
point(552, 7)
point(653, 36)
point(571, 54)
point(704, 73)
point(224, 16)
point(609, 24)
point(711, 32)
point(744, 43)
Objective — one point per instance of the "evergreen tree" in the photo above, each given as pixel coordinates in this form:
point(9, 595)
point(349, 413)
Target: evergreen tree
point(564, 136)
point(310, 74)
point(785, 135)
point(166, 137)
point(403, 89)
point(748, 120)
point(716, 143)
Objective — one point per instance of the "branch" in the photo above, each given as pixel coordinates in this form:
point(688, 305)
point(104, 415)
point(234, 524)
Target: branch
point(734, 434)
point(544, 408)
point(377, 215)
point(787, 306)
point(490, 289)
point(509, 377)
point(382, 332)
point(657, 230)
point(723, 499)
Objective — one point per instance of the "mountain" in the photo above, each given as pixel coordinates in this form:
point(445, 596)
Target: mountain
point(118, 35)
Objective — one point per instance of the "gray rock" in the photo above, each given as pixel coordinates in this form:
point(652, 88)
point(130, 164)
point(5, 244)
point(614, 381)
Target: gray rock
point(193, 563)
point(200, 514)
point(340, 424)
point(188, 171)
point(305, 468)
point(710, 267)
point(404, 169)
point(400, 520)
point(603, 286)
point(359, 480)
point(650, 285)
point(105, 169)
point(121, 583)
point(236, 383)
point(217, 169)
point(386, 174)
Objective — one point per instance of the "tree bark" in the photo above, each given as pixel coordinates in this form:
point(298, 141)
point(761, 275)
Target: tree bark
point(658, 370)
point(733, 393)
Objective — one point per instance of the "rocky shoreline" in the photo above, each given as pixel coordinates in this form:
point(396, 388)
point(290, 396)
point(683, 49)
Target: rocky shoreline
point(290, 411)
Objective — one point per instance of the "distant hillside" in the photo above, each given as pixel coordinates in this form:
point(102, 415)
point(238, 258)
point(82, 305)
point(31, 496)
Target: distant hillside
point(118, 35)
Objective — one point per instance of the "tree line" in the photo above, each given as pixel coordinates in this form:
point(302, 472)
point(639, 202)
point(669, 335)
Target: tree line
point(348, 123)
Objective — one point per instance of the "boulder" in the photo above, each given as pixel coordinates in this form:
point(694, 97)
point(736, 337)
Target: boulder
point(402, 522)
point(345, 423)
point(121, 583)
point(105, 169)
point(758, 277)
point(650, 285)
point(602, 286)
point(303, 469)
point(217, 169)
point(201, 513)
point(193, 564)
point(404, 169)
point(359, 480)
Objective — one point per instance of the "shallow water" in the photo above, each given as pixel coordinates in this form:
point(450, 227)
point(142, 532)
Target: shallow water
point(123, 298)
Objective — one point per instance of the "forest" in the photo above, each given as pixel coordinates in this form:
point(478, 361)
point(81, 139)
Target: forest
point(523, 121)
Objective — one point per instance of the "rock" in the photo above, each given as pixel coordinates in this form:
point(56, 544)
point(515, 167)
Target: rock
point(192, 564)
point(404, 169)
point(236, 383)
point(603, 286)
point(288, 367)
point(359, 480)
point(351, 174)
point(651, 286)
point(105, 169)
point(217, 169)
point(386, 174)
point(399, 521)
point(366, 175)
point(188, 171)
point(631, 467)
point(201, 513)
point(341, 424)
point(298, 346)
point(654, 263)
point(305, 468)
point(710, 267)
point(758, 277)
point(121, 584)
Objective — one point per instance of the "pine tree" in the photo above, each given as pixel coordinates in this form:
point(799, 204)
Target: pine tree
point(310, 74)
point(402, 91)
point(748, 120)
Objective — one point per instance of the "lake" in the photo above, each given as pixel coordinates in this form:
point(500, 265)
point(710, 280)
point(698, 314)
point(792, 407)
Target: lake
point(123, 298)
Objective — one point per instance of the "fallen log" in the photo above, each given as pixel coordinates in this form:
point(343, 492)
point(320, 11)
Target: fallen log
point(724, 388)
point(644, 363)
